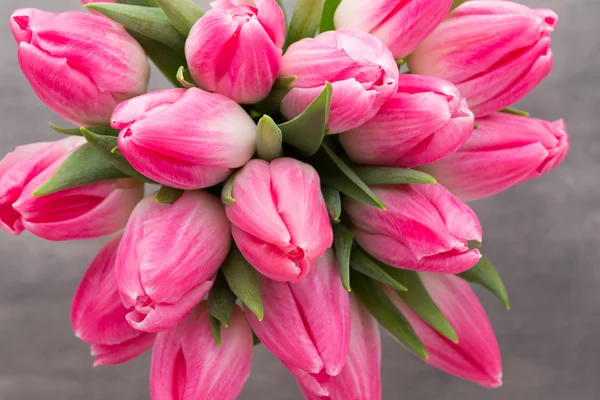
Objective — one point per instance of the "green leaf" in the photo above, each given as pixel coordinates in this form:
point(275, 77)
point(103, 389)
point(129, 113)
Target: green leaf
point(221, 300)
point(381, 307)
point(335, 173)
point(457, 3)
point(243, 281)
point(272, 103)
point(149, 21)
point(484, 274)
point(329, 9)
point(147, 3)
point(419, 300)
point(307, 130)
point(372, 175)
point(183, 14)
point(515, 111)
point(333, 201)
point(100, 130)
point(305, 21)
point(269, 139)
point(83, 167)
point(255, 339)
point(168, 195)
point(365, 264)
point(104, 145)
point(185, 78)
point(226, 196)
point(215, 327)
point(165, 58)
point(343, 238)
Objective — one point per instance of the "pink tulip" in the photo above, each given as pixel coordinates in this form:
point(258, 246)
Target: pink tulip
point(235, 48)
point(360, 378)
point(98, 317)
point(187, 364)
point(82, 212)
point(361, 70)
point(280, 221)
point(476, 356)
point(494, 51)
point(307, 324)
point(186, 139)
point(425, 120)
point(168, 256)
point(400, 24)
point(80, 65)
point(506, 150)
point(425, 228)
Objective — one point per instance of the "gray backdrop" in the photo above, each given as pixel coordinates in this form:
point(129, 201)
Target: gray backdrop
point(542, 236)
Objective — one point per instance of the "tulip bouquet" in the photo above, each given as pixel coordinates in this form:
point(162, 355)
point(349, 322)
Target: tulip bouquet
point(312, 173)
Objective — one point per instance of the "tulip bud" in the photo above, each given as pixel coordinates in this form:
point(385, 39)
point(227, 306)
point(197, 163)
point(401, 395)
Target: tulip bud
point(187, 363)
point(185, 139)
point(167, 257)
point(495, 52)
point(425, 228)
point(506, 150)
point(82, 212)
point(235, 48)
point(400, 24)
point(424, 121)
point(476, 356)
point(80, 65)
point(361, 70)
point(98, 317)
point(361, 376)
point(280, 221)
point(308, 333)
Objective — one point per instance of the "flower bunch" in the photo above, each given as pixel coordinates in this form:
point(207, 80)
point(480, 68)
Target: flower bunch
point(342, 145)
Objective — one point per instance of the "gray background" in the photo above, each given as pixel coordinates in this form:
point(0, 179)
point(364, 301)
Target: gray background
point(543, 236)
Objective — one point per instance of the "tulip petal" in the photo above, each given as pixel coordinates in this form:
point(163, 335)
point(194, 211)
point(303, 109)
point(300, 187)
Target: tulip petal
point(122, 352)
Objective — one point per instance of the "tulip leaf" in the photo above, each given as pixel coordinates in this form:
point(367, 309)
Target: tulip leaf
point(307, 131)
point(168, 195)
point(184, 78)
point(272, 104)
point(255, 340)
point(149, 21)
point(372, 175)
point(183, 14)
point(147, 3)
point(484, 274)
point(100, 130)
point(333, 201)
point(221, 300)
point(165, 58)
point(335, 173)
point(104, 146)
point(269, 139)
point(305, 21)
point(226, 196)
point(215, 327)
point(385, 312)
point(457, 3)
point(244, 281)
point(343, 238)
point(329, 9)
point(363, 263)
point(83, 167)
point(515, 111)
point(419, 300)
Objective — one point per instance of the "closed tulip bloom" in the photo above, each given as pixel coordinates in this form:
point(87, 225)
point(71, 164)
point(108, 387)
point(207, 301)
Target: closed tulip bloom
point(360, 378)
point(476, 356)
point(98, 316)
point(168, 256)
point(235, 48)
point(82, 212)
point(361, 70)
point(400, 24)
point(80, 65)
point(309, 333)
point(425, 120)
point(425, 228)
point(186, 139)
point(187, 363)
point(494, 51)
point(280, 220)
point(506, 150)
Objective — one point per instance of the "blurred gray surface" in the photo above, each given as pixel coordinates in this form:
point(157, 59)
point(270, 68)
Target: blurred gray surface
point(544, 237)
